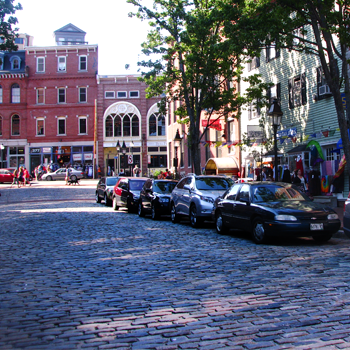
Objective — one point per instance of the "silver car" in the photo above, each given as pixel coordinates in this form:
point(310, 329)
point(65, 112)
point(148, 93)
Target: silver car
point(194, 197)
point(346, 218)
point(60, 174)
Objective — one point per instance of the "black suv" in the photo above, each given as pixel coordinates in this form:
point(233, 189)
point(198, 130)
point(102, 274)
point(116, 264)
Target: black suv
point(104, 189)
point(155, 197)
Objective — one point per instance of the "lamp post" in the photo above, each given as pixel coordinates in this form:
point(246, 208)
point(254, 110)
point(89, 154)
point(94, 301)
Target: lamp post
point(2, 147)
point(117, 147)
point(275, 113)
point(124, 152)
point(177, 142)
point(132, 145)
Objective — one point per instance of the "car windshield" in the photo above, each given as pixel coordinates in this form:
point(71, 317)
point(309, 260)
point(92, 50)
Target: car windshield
point(164, 186)
point(273, 193)
point(112, 181)
point(213, 183)
point(136, 185)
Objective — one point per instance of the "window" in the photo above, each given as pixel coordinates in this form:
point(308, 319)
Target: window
point(40, 96)
point(82, 62)
point(61, 126)
point(121, 94)
point(271, 52)
point(253, 110)
point(15, 125)
point(323, 90)
point(158, 161)
point(15, 93)
point(40, 64)
point(126, 126)
point(82, 125)
point(61, 98)
point(117, 125)
point(133, 94)
point(109, 94)
point(40, 126)
point(135, 126)
point(0, 126)
point(156, 125)
point(297, 91)
point(15, 63)
point(61, 64)
point(274, 92)
point(0, 94)
point(82, 94)
point(19, 41)
point(232, 193)
point(255, 63)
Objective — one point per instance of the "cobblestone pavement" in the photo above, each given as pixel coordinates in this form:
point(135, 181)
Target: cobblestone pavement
point(77, 275)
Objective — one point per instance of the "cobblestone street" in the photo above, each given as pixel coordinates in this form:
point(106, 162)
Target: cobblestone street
point(77, 275)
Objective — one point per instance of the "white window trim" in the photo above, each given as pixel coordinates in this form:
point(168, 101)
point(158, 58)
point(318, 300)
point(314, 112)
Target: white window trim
point(124, 92)
point(79, 68)
point(65, 125)
point(58, 64)
point(86, 91)
point(79, 118)
point(110, 92)
point(37, 65)
point(138, 94)
point(36, 129)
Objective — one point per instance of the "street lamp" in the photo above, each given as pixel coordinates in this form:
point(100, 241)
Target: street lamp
point(124, 152)
point(177, 143)
point(117, 147)
point(275, 114)
point(132, 145)
point(2, 147)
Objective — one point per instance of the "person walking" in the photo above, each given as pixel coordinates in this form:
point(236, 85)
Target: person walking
point(67, 175)
point(15, 179)
point(26, 177)
point(21, 176)
point(300, 181)
point(136, 171)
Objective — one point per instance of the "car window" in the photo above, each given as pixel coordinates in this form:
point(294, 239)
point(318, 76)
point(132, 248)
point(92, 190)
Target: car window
point(244, 192)
point(123, 185)
point(213, 183)
point(232, 193)
point(164, 186)
point(111, 181)
point(136, 185)
point(182, 183)
point(148, 184)
point(274, 193)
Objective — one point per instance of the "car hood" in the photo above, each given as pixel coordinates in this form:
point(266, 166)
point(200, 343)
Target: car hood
point(213, 194)
point(303, 209)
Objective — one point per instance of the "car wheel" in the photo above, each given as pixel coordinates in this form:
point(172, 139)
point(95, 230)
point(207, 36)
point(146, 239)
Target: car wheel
point(259, 235)
point(325, 237)
point(97, 198)
point(106, 200)
point(174, 217)
point(115, 206)
point(49, 178)
point(73, 178)
point(194, 220)
point(154, 213)
point(219, 224)
point(129, 206)
point(140, 210)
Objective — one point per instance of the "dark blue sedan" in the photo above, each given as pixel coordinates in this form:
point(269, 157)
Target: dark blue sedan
point(269, 209)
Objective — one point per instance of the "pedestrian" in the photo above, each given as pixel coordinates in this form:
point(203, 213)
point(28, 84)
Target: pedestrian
point(99, 172)
point(299, 180)
point(67, 175)
point(136, 171)
point(26, 176)
point(15, 179)
point(169, 176)
point(21, 176)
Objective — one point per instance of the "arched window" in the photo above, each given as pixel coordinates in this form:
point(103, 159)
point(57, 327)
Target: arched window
point(15, 93)
point(126, 125)
point(161, 125)
point(15, 62)
point(152, 125)
point(15, 125)
point(109, 126)
point(117, 126)
point(135, 126)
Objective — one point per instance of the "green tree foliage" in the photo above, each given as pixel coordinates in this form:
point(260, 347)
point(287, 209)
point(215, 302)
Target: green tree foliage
point(314, 27)
point(7, 21)
point(198, 65)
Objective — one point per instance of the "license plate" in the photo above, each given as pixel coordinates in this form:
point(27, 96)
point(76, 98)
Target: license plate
point(315, 227)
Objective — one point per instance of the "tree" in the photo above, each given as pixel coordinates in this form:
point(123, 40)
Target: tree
point(287, 24)
point(197, 64)
point(7, 21)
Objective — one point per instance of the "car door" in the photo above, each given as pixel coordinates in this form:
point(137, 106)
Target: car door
point(182, 196)
point(243, 209)
point(124, 185)
point(146, 195)
point(102, 187)
point(228, 206)
point(187, 195)
point(60, 174)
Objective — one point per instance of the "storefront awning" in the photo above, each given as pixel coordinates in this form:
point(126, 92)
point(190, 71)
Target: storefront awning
point(298, 149)
point(225, 165)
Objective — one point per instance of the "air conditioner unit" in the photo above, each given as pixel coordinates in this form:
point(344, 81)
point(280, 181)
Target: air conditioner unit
point(324, 90)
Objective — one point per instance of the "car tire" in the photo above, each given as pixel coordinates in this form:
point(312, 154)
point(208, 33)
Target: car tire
point(49, 178)
point(219, 224)
point(174, 217)
point(194, 220)
point(154, 213)
point(258, 233)
point(114, 204)
point(323, 238)
point(97, 198)
point(140, 210)
point(73, 178)
point(106, 200)
point(130, 207)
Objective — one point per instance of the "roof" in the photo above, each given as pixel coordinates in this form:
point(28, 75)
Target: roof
point(71, 28)
point(298, 149)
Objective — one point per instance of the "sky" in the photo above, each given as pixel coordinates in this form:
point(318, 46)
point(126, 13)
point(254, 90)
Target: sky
point(105, 22)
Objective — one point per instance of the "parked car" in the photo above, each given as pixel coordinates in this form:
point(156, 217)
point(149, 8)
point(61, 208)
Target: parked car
point(104, 189)
point(194, 197)
point(267, 209)
point(346, 217)
point(244, 179)
point(126, 193)
point(6, 175)
point(155, 197)
point(60, 174)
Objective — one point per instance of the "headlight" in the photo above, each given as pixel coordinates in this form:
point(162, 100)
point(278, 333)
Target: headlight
point(285, 218)
point(332, 216)
point(163, 200)
point(207, 199)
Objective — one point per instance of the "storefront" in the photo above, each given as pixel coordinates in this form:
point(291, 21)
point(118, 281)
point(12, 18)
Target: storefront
point(222, 166)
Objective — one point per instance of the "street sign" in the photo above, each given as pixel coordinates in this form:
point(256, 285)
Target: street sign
point(130, 159)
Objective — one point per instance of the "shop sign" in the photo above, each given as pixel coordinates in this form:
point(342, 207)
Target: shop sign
point(88, 156)
point(35, 150)
point(77, 157)
point(212, 124)
point(46, 149)
point(292, 132)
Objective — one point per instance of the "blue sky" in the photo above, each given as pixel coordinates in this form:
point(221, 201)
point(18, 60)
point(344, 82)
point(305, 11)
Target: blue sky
point(106, 23)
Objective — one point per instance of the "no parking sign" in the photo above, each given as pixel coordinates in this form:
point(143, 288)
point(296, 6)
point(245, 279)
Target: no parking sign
point(130, 159)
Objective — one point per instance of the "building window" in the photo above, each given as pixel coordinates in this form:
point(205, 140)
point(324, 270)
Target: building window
point(61, 64)
point(40, 64)
point(109, 94)
point(272, 52)
point(133, 94)
point(297, 91)
point(253, 110)
point(156, 125)
point(19, 41)
point(121, 94)
point(274, 92)
point(118, 125)
point(254, 63)
point(126, 125)
point(61, 126)
point(0, 94)
point(109, 126)
point(0, 126)
point(15, 62)
point(82, 62)
point(135, 126)
point(323, 89)
point(15, 93)
point(40, 127)
point(82, 125)
point(61, 95)
point(83, 94)
point(158, 161)
point(40, 96)
point(15, 125)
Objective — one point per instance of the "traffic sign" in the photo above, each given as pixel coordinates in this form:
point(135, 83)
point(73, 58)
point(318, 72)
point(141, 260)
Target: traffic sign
point(130, 159)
